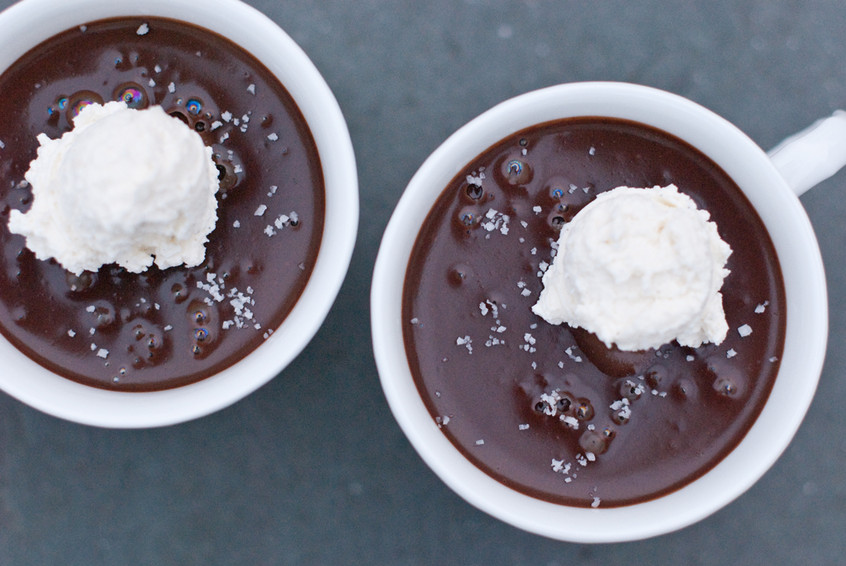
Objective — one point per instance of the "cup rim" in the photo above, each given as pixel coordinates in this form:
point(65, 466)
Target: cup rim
point(23, 26)
point(807, 321)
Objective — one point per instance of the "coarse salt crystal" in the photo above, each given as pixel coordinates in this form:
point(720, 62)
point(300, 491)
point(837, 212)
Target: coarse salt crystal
point(480, 442)
point(744, 330)
point(273, 136)
point(260, 210)
point(143, 29)
point(731, 353)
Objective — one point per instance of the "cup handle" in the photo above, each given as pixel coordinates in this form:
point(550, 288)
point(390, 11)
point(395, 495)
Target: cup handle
point(812, 155)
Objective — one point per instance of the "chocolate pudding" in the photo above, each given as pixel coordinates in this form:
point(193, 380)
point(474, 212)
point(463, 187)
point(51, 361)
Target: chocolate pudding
point(550, 410)
point(162, 328)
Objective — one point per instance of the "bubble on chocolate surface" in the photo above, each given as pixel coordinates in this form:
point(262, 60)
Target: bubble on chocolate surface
point(655, 375)
point(80, 283)
point(474, 191)
point(726, 387)
point(104, 314)
point(194, 106)
point(133, 95)
point(684, 389)
point(595, 441)
point(179, 292)
point(468, 218)
point(458, 274)
point(516, 172)
point(584, 410)
point(80, 100)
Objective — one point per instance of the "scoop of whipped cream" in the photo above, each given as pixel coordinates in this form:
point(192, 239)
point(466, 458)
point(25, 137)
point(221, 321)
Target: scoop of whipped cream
point(639, 267)
point(123, 186)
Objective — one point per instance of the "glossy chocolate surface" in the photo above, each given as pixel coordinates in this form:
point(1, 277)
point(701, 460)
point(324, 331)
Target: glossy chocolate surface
point(162, 329)
point(549, 410)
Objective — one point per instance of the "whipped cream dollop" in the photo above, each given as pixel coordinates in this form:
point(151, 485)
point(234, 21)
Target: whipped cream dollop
point(639, 267)
point(124, 186)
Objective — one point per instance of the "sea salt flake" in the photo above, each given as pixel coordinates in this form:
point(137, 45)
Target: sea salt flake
point(236, 224)
point(572, 355)
point(273, 136)
point(480, 442)
point(523, 427)
point(466, 342)
point(157, 69)
point(251, 88)
point(227, 116)
point(570, 421)
point(592, 150)
point(689, 358)
point(71, 333)
point(269, 231)
point(762, 307)
point(90, 308)
point(260, 210)
point(272, 191)
point(591, 457)
point(731, 353)
point(102, 353)
point(596, 502)
point(171, 88)
point(537, 209)
point(744, 330)
point(216, 124)
point(143, 29)
point(151, 82)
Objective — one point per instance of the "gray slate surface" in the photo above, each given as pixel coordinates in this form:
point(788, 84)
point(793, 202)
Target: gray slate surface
point(312, 468)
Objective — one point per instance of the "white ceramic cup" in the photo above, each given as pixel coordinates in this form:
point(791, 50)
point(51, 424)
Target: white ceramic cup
point(798, 252)
point(28, 23)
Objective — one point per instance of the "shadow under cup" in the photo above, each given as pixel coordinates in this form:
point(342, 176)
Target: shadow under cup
point(28, 23)
point(806, 319)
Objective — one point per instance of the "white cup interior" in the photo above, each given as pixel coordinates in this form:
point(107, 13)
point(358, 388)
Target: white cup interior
point(26, 24)
point(801, 264)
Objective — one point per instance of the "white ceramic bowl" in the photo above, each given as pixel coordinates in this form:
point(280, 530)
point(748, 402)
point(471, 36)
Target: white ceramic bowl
point(26, 24)
point(798, 253)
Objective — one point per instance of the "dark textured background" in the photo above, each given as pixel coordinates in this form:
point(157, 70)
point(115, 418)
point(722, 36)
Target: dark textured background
point(312, 468)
